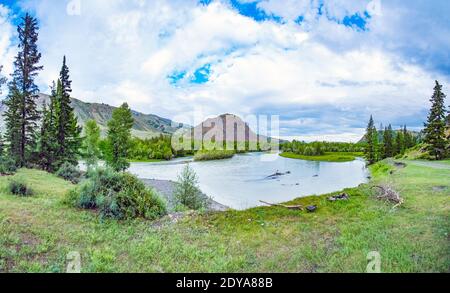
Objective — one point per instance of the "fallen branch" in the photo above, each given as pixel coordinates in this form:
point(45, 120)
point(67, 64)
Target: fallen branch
point(390, 195)
point(297, 207)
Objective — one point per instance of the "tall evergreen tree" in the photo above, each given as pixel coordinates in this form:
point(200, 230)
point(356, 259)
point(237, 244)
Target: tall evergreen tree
point(435, 126)
point(388, 137)
point(399, 143)
point(22, 115)
point(371, 150)
point(119, 138)
point(2, 146)
point(68, 131)
point(48, 144)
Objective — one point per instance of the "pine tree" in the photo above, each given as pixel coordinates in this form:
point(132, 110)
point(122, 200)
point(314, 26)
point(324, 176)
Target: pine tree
point(22, 114)
point(91, 143)
point(399, 143)
point(371, 150)
point(435, 126)
point(48, 144)
point(388, 148)
point(68, 131)
point(119, 138)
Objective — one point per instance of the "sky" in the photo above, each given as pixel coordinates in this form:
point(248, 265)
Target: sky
point(322, 66)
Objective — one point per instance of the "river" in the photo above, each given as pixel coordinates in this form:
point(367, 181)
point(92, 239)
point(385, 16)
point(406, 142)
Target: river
point(241, 182)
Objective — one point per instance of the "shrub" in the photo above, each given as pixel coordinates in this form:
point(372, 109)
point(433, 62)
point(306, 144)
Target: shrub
point(187, 192)
point(117, 195)
point(7, 166)
point(19, 188)
point(69, 172)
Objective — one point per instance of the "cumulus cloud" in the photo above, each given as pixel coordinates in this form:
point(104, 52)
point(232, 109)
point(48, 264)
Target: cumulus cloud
point(322, 71)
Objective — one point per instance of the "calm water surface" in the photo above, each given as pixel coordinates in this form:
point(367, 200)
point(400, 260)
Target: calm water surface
point(241, 182)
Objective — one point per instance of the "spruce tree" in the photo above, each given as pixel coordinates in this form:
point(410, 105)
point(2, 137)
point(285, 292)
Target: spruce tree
point(22, 114)
point(399, 143)
point(371, 150)
point(48, 144)
point(388, 138)
point(68, 131)
point(119, 138)
point(435, 126)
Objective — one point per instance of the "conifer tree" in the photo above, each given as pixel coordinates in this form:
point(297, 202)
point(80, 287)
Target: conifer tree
point(119, 138)
point(48, 144)
point(22, 114)
point(399, 143)
point(2, 146)
point(435, 126)
point(68, 131)
point(371, 150)
point(388, 148)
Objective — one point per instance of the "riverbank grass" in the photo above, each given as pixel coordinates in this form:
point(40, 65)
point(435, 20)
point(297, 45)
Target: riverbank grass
point(211, 155)
point(37, 233)
point(327, 157)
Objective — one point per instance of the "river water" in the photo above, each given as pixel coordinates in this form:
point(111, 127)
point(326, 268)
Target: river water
point(241, 182)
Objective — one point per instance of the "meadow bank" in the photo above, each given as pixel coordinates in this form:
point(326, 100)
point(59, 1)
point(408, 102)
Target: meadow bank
point(37, 233)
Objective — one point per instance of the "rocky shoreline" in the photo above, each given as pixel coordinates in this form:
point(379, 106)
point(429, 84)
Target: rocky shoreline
point(166, 189)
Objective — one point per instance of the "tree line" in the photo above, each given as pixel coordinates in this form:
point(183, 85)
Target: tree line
point(387, 143)
point(49, 137)
point(319, 148)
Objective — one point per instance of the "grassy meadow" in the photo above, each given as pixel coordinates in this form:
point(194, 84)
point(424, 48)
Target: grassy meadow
point(36, 233)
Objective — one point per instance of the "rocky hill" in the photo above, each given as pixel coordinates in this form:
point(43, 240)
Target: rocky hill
point(145, 125)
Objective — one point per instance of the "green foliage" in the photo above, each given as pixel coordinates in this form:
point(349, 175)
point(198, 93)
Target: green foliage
point(119, 138)
point(48, 144)
point(7, 166)
point(388, 142)
point(327, 157)
point(68, 132)
point(158, 148)
point(319, 148)
point(22, 115)
point(117, 195)
point(19, 188)
point(69, 172)
point(91, 143)
point(371, 151)
point(213, 155)
point(187, 192)
point(435, 126)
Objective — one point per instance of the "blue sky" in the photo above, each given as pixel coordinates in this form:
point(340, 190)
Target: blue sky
point(323, 66)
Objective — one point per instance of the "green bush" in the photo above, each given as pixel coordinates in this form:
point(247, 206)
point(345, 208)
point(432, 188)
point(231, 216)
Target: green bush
point(213, 155)
point(117, 195)
point(19, 188)
point(7, 166)
point(187, 192)
point(69, 172)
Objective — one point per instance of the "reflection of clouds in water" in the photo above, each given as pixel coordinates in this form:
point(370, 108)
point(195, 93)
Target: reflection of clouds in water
point(241, 182)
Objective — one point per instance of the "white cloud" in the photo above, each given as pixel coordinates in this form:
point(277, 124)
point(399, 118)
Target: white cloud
point(124, 50)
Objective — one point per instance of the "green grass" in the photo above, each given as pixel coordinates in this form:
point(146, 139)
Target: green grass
point(36, 233)
point(328, 157)
point(213, 155)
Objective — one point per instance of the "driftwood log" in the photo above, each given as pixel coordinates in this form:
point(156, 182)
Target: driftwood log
point(390, 195)
point(296, 208)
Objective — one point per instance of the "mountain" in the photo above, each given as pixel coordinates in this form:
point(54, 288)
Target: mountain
point(226, 127)
point(145, 125)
